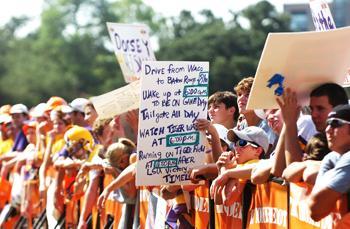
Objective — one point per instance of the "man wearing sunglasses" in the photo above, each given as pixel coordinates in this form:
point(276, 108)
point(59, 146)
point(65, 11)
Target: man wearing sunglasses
point(333, 179)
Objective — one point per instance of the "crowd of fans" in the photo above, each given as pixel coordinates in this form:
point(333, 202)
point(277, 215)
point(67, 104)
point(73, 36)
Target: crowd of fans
point(63, 166)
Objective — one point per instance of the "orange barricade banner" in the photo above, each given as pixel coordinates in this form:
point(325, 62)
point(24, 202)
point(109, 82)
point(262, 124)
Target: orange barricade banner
point(201, 206)
point(229, 216)
point(5, 192)
point(112, 207)
point(269, 207)
point(299, 217)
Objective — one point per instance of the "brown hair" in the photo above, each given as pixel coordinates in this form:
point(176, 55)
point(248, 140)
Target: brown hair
point(227, 98)
point(99, 125)
point(317, 147)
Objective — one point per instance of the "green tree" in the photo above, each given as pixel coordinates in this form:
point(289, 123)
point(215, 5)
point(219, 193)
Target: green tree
point(232, 49)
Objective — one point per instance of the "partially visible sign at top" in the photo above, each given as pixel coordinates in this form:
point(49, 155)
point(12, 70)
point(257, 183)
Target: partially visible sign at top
point(321, 15)
point(323, 20)
point(132, 46)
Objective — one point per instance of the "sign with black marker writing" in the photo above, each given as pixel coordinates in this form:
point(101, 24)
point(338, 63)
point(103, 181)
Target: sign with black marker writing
point(321, 15)
point(132, 46)
point(173, 95)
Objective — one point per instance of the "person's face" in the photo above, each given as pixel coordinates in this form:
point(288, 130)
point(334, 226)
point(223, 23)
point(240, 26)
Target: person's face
point(320, 108)
point(247, 152)
point(242, 99)
point(274, 120)
point(18, 120)
point(90, 115)
point(59, 125)
point(31, 135)
point(6, 130)
point(218, 113)
point(338, 137)
point(77, 150)
point(123, 161)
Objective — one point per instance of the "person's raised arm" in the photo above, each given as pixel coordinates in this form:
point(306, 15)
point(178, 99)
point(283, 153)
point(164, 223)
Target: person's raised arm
point(279, 163)
point(290, 112)
point(206, 125)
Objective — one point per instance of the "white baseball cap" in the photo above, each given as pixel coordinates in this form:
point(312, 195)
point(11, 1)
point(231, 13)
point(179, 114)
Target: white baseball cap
point(77, 104)
point(252, 134)
point(19, 109)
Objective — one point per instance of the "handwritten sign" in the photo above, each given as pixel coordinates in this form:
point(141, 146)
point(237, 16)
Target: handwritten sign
point(305, 60)
point(323, 20)
point(131, 46)
point(118, 101)
point(321, 15)
point(173, 96)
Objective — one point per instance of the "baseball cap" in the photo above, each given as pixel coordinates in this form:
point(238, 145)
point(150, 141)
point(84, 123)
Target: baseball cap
point(39, 110)
point(339, 116)
point(5, 109)
point(77, 104)
point(252, 134)
point(340, 112)
point(54, 102)
point(18, 109)
point(5, 118)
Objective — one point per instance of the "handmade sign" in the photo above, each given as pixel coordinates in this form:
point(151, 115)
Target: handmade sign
point(173, 96)
point(118, 101)
point(321, 15)
point(323, 20)
point(302, 61)
point(132, 46)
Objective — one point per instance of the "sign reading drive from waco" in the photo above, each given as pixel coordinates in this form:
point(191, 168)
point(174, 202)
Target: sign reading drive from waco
point(173, 96)
point(131, 46)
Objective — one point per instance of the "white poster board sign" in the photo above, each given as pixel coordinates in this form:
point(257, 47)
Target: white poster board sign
point(173, 96)
point(305, 60)
point(321, 15)
point(323, 20)
point(132, 46)
point(118, 101)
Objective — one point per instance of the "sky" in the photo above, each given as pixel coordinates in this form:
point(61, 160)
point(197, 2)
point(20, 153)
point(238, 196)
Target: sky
point(32, 8)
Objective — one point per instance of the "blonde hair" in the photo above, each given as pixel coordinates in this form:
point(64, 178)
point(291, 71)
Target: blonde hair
point(116, 150)
point(244, 86)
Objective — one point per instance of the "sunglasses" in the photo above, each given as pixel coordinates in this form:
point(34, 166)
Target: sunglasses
point(336, 122)
point(243, 143)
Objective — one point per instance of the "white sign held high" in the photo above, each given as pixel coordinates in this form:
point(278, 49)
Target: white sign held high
point(173, 95)
point(321, 15)
point(323, 20)
point(305, 60)
point(132, 46)
point(118, 101)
